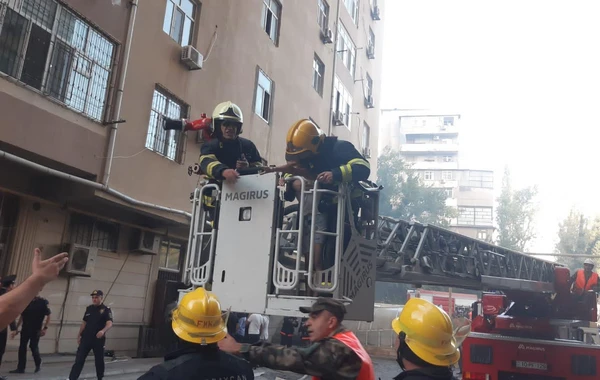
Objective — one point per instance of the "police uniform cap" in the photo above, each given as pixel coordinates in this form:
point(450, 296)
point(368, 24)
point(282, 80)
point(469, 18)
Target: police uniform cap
point(98, 293)
point(335, 307)
point(9, 280)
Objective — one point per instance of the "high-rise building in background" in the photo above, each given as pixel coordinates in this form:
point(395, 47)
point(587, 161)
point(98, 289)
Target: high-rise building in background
point(429, 142)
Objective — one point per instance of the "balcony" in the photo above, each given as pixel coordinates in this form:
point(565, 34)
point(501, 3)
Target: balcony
point(429, 129)
point(435, 165)
point(429, 147)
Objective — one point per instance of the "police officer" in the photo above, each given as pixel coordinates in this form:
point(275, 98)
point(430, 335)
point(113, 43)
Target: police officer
point(336, 353)
point(199, 322)
point(427, 344)
point(8, 284)
point(34, 323)
point(221, 156)
point(97, 320)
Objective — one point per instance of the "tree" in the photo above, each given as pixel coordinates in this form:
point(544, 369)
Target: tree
point(576, 236)
point(404, 196)
point(515, 215)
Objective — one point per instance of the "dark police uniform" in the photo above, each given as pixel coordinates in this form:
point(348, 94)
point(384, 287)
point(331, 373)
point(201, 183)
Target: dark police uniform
point(200, 363)
point(95, 319)
point(32, 318)
point(6, 282)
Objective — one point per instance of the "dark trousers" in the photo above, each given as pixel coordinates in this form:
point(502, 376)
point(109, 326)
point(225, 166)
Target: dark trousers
point(3, 336)
point(287, 339)
point(87, 344)
point(33, 338)
point(253, 338)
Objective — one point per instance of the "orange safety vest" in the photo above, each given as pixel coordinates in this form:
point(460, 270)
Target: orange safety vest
point(582, 286)
point(350, 340)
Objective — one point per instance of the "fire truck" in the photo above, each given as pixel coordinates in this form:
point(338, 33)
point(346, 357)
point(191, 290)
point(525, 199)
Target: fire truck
point(257, 253)
point(527, 324)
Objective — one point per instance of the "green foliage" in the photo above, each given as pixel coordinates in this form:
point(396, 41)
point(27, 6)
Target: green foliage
point(515, 215)
point(578, 236)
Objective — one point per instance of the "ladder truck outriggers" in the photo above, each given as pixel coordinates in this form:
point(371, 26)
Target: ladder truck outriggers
point(527, 324)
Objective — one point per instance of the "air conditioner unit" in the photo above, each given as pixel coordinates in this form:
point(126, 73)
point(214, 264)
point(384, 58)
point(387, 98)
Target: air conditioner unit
point(81, 260)
point(191, 57)
point(146, 242)
point(369, 101)
point(371, 51)
point(326, 36)
point(366, 151)
point(338, 118)
point(376, 13)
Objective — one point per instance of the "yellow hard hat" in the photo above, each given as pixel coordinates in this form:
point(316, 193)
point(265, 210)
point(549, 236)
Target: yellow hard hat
point(429, 332)
point(198, 318)
point(303, 140)
point(227, 111)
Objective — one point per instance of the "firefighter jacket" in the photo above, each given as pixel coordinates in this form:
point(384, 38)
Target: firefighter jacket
point(201, 363)
point(342, 159)
point(217, 155)
point(581, 285)
point(339, 357)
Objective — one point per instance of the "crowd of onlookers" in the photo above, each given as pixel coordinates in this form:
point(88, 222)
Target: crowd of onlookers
point(254, 328)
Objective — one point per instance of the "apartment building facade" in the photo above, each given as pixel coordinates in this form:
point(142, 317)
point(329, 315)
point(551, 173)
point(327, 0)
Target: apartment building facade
point(84, 161)
point(429, 142)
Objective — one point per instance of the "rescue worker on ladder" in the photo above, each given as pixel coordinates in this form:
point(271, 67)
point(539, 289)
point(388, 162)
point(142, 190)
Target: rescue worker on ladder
point(335, 353)
point(427, 346)
point(199, 322)
point(585, 280)
point(312, 154)
point(221, 156)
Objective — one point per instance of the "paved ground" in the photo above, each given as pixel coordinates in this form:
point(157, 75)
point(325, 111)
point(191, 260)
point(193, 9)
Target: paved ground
point(131, 369)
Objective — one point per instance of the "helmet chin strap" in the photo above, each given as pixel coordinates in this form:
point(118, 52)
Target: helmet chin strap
point(401, 337)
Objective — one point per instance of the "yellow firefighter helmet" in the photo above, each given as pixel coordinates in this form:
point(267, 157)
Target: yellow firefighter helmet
point(198, 318)
point(303, 140)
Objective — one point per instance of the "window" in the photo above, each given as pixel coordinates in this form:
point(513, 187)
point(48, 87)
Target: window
point(170, 144)
point(48, 48)
point(318, 74)
point(482, 235)
point(91, 232)
point(448, 159)
point(448, 120)
point(449, 192)
point(475, 216)
point(371, 44)
point(366, 135)
point(270, 18)
point(323, 15)
point(179, 21)
point(447, 176)
point(264, 91)
point(342, 102)
point(346, 49)
point(428, 176)
point(169, 255)
point(479, 179)
point(368, 86)
point(352, 7)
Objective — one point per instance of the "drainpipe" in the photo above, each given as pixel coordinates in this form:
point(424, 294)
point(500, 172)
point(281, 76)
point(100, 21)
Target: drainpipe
point(335, 53)
point(86, 182)
point(114, 124)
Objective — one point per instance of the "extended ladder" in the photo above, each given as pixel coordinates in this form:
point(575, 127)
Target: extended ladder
point(424, 254)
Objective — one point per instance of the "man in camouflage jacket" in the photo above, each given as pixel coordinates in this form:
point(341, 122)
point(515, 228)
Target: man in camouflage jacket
point(335, 352)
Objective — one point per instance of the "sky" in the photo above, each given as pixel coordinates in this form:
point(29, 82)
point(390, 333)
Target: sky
point(524, 75)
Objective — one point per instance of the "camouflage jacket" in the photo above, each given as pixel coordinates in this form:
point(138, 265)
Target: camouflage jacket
point(326, 359)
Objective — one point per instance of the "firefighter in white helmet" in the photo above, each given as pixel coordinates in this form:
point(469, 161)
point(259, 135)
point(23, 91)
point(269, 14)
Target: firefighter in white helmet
point(585, 280)
point(220, 157)
point(427, 345)
point(200, 323)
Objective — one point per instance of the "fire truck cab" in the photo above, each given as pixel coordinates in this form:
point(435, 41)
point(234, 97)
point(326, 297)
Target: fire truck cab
point(248, 248)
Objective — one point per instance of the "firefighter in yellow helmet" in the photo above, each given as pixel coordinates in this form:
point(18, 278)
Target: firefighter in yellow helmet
point(427, 344)
point(200, 323)
point(311, 154)
point(220, 157)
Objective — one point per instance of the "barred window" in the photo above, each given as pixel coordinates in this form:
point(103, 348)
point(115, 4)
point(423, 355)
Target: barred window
point(50, 49)
point(170, 144)
point(91, 232)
